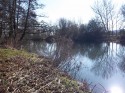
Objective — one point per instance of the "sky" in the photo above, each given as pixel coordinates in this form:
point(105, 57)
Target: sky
point(76, 10)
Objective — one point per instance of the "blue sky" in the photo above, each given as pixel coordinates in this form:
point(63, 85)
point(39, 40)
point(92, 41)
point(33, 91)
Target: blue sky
point(77, 10)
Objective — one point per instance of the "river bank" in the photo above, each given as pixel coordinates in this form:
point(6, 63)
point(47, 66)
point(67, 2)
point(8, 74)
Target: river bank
point(22, 72)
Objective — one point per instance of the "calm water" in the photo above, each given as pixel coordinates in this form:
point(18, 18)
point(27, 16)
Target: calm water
point(101, 65)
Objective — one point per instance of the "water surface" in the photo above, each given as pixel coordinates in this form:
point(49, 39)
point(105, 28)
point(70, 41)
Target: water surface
point(101, 65)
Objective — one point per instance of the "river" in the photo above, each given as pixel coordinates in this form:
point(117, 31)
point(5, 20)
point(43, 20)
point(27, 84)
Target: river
point(101, 65)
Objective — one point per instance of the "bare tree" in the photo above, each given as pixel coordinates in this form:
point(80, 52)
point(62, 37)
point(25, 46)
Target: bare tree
point(123, 10)
point(67, 28)
point(118, 22)
point(104, 11)
point(123, 13)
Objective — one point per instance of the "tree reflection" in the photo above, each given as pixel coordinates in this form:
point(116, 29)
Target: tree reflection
point(92, 51)
point(40, 48)
point(106, 58)
point(63, 52)
point(122, 57)
point(72, 67)
point(104, 68)
point(102, 55)
point(106, 65)
point(122, 65)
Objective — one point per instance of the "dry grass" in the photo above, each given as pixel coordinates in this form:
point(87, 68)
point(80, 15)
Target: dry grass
point(21, 72)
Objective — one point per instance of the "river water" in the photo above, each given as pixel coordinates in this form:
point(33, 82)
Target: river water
point(101, 65)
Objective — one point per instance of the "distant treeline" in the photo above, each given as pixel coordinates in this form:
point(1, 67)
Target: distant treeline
point(91, 32)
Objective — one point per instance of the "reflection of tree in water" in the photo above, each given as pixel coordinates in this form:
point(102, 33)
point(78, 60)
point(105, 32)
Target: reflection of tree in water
point(107, 58)
point(122, 57)
point(72, 67)
point(64, 55)
point(106, 65)
point(63, 52)
point(122, 65)
point(41, 48)
point(103, 68)
point(92, 51)
point(98, 53)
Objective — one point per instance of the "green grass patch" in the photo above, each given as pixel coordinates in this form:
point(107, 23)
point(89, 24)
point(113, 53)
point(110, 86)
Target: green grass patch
point(68, 83)
point(9, 53)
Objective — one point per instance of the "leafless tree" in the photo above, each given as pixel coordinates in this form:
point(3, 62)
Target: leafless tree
point(123, 13)
point(123, 10)
point(104, 11)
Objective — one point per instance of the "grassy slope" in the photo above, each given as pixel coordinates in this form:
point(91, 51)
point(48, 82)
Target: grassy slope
point(21, 72)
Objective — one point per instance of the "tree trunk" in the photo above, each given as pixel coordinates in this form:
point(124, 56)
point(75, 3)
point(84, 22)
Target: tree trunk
point(14, 18)
point(25, 27)
point(10, 19)
point(1, 29)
